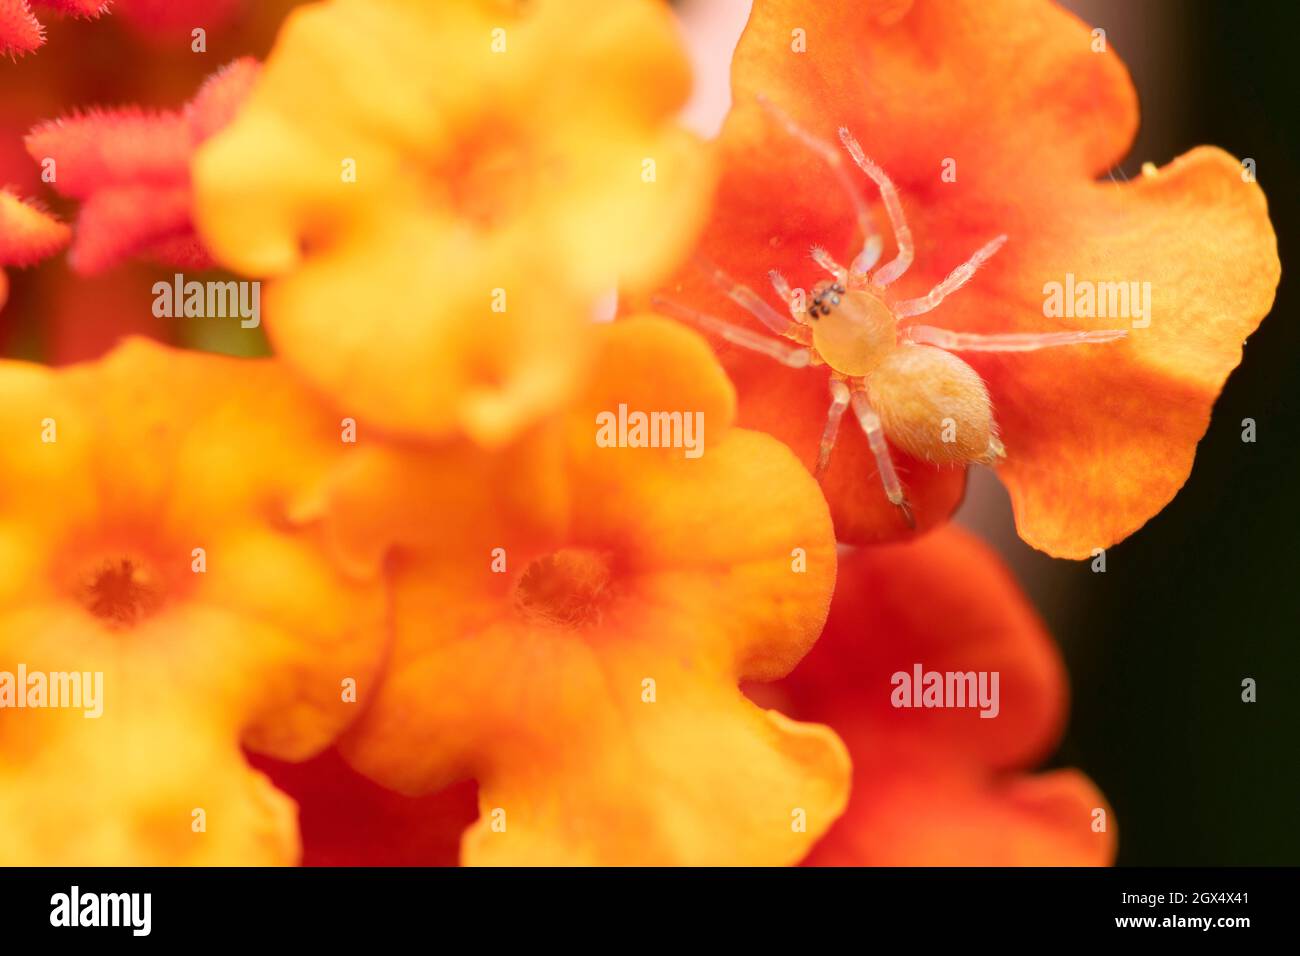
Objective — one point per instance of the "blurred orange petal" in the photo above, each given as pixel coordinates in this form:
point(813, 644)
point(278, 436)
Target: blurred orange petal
point(945, 819)
point(944, 786)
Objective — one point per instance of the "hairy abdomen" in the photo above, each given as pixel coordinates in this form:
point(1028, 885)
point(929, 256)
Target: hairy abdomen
point(933, 405)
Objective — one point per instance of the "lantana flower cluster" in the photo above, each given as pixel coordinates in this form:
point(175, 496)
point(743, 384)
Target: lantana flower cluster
point(455, 572)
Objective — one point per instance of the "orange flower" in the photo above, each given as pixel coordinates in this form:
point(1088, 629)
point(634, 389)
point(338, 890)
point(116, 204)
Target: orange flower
point(146, 537)
point(573, 640)
point(943, 786)
point(27, 235)
point(131, 170)
point(992, 118)
point(437, 236)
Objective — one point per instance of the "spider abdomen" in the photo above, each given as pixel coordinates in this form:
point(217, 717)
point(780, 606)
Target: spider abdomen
point(933, 406)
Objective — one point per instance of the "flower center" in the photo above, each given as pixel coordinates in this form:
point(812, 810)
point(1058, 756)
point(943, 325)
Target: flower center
point(121, 592)
point(492, 175)
point(568, 587)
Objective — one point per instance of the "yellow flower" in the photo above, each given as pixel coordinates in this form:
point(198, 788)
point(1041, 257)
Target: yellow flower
point(441, 191)
point(147, 546)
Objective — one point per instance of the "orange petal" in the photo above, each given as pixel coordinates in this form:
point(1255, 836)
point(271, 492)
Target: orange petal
point(725, 784)
point(907, 819)
point(1100, 438)
point(652, 364)
point(945, 601)
point(542, 717)
point(939, 786)
point(986, 84)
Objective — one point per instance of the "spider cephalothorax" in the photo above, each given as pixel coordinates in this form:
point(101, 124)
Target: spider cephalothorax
point(826, 295)
point(902, 380)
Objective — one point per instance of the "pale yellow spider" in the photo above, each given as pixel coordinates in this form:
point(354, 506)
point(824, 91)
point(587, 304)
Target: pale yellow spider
point(902, 381)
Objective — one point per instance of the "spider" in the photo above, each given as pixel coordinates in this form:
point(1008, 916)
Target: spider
point(901, 380)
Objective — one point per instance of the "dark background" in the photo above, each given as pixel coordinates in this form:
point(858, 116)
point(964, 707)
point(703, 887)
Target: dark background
point(1208, 593)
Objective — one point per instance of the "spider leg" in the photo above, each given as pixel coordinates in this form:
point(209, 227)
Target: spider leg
point(782, 288)
point(840, 397)
point(824, 259)
point(1006, 341)
point(956, 279)
point(871, 242)
point(866, 260)
point(870, 423)
point(793, 356)
point(895, 267)
point(747, 299)
point(795, 302)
